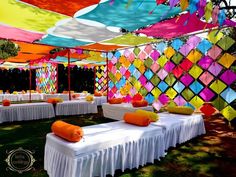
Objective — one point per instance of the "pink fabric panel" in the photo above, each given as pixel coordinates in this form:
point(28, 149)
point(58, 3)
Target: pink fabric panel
point(176, 27)
point(8, 32)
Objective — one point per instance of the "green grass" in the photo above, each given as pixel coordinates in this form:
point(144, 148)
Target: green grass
point(200, 157)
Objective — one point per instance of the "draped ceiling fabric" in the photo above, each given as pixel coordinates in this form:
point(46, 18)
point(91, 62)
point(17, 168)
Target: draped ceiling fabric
point(8, 32)
point(130, 40)
point(66, 7)
point(29, 52)
point(176, 27)
point(131, 18)
point(26, 17)
point(61, 42)
point(77, 30)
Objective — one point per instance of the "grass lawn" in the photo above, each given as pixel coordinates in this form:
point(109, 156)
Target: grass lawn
point(211, 155)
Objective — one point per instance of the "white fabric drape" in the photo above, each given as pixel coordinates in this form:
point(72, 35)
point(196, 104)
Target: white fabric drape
point(116, 145)
point(180, 128)
point(75, 107)
point(117, 111)
point(31, 111)
point(100, 100)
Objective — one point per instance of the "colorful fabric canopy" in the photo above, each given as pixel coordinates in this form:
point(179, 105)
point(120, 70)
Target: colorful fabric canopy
point(8, 32)
point(176, 27)
point(131, 18)
point(68, 7)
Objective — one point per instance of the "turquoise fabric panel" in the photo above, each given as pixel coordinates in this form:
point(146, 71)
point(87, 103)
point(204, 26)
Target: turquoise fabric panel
point(61, 42)
point(63, 59)
point(131, 18)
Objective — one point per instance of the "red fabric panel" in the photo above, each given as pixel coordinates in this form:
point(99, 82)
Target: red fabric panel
point(66, 7)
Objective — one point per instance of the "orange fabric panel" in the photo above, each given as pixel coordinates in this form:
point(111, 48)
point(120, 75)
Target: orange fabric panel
point(67, 131)
point(101, 47)
point(78, 56)
point(136, 119)
point(62, 6)
point(24, 58)
point(34, 48)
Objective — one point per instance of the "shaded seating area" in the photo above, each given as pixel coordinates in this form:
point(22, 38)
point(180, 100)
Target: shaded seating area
point(99, 153)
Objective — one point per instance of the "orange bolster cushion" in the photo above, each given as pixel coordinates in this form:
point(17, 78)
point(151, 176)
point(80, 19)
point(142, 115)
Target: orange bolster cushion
point(141, 103)
point(75, 95)
point(115, 101)
point(67, 131)
point(97, 94)
point(136, 119)
point(54, 100)
point(6, 102)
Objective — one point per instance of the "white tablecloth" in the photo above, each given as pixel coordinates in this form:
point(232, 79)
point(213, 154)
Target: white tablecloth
point(65, 97)
point(180, 128)
point(100, 100)
point(105, 148)
point(75, 107)
point(117, 111)
point(34, 96)
point(11, 97)
point(29, 111)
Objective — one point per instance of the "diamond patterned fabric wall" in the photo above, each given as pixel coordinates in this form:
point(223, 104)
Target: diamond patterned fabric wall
point(101, 78)
point(46, 78)
point(188, 71)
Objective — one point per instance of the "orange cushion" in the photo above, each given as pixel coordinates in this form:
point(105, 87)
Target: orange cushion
point(6, 102)
point(67, 131)
point(136, 119)
point(75, 95)
point(97, 94)
point(54, 100)
point(104, 93)
point(141, 103)
point(115, 101)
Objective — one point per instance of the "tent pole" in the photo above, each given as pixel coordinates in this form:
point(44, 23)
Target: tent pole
point(30, 83)
point(69, 73)
point(107, 74)
point(94, 76)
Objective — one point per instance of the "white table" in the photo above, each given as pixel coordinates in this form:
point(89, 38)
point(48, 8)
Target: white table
point(34, 96)
point(100, 100)
point(65, 97)
point(105, 148)
point(75, 107)
point(11, 97)
point(178, 128)
point(29, 111)
point(117, 111)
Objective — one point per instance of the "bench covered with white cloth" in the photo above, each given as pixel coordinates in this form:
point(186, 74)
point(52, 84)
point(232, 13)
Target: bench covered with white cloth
point(105, 148)
point(117, 111)
point(75, 107)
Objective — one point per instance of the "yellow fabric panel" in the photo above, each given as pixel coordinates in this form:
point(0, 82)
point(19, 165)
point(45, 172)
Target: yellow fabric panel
point(130, 39)
point(23, 16)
